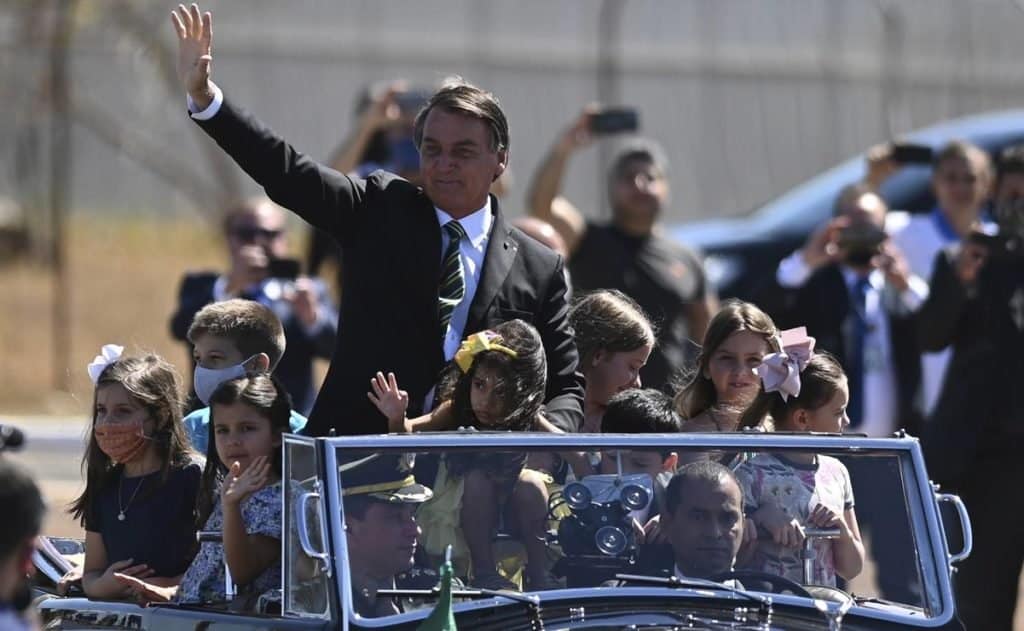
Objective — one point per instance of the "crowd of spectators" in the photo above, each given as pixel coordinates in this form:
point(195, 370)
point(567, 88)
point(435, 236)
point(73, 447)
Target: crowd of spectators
point(448, 313)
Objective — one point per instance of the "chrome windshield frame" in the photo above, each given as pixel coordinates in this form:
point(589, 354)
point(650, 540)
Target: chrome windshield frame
point(938, 606)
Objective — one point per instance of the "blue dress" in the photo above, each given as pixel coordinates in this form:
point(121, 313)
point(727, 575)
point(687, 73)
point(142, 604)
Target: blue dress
point(204, 579)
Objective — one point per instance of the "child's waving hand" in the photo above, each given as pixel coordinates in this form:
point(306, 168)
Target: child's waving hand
point(391, 401)
point(239, 484)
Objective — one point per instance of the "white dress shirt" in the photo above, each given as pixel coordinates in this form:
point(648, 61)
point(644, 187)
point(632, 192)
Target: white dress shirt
point(879, 404)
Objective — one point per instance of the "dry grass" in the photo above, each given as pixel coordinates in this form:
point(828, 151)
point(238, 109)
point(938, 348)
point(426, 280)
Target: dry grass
point(123, 287)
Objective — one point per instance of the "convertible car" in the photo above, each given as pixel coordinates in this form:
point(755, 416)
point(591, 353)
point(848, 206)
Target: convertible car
point(606, 571)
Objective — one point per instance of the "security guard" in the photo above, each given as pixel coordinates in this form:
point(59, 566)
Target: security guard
point(380, 497)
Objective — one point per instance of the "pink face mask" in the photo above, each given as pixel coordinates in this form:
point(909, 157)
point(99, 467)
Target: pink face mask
point(123, 442)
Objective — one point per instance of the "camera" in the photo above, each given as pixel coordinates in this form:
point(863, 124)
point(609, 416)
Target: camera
point(597, 537)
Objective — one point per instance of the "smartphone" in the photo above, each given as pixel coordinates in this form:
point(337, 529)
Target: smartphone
point(615, 120)
point(287, 269)
point(908, 153)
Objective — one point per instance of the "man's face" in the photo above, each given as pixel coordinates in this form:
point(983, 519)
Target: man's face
point(961, 184)
point(1009, 204)
point(706, 528)
point(639, 191)
point(256, 237)
point(383, 542)
point(458, 162)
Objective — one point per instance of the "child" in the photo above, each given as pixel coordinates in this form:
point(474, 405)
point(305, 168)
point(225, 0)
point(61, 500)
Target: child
point(141, 476)
point(801, 391)
point(614, 338)
point(738, 336)
point(639, 411)
point(240, 496)
point(229, 339)
point(496, 382)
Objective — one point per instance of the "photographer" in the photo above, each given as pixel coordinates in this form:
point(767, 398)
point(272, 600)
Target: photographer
point(24, 510)
point(257, 240)
point(859, 306)
point(629, 253)
point(961, 177)
point(972, 440)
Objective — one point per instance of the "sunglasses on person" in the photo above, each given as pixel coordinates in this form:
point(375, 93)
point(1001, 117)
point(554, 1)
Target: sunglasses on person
point(250, 234)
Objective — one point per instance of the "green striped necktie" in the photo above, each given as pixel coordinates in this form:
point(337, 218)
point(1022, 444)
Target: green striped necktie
point(453, 278)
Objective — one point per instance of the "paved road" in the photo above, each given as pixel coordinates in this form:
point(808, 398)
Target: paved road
point(53, 452)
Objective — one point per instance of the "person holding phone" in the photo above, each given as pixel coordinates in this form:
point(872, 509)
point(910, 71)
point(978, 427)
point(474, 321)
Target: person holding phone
point(628, 253)
point(859, 306)
point(972, 439)
point(961, 178)
point(257, 241)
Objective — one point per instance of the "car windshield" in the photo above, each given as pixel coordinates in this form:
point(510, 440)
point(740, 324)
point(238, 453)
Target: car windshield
point(795, 516)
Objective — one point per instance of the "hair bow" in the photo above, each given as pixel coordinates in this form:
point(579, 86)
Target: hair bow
point(780, 372)
point(478, 343)
point(109, 354)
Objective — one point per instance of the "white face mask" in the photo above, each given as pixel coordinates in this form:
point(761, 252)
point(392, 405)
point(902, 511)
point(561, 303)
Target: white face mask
point(207, 380)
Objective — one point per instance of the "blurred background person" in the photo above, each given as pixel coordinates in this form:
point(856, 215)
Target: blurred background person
point(24, 509)
point(257, 240)
point(859, 307)
point(973, 437)
point(381, 139)
point(960, 180)
point(629, 253)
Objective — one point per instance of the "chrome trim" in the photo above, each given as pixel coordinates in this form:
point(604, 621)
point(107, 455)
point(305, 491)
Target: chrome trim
point(453, 441)
point(312, 444)
point(329, 469)
point(303, 527)
point(965, 526)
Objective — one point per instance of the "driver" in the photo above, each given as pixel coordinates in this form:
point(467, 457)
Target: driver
point(380, 498)
point(703, 520)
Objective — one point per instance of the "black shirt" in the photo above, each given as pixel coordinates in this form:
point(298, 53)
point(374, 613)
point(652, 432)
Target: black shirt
point(159, 524)
point(662, 276)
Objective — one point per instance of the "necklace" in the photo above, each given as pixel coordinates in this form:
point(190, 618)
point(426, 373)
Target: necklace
point(121, 510)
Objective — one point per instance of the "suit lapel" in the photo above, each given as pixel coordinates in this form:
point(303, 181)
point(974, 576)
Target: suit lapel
point(501, 253)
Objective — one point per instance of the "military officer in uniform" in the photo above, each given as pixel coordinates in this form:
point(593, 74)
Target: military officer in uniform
point(380, 497)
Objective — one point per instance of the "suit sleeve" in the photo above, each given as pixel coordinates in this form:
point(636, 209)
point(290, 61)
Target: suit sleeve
point(564, 400)
point(939, 319)
point(328, 200)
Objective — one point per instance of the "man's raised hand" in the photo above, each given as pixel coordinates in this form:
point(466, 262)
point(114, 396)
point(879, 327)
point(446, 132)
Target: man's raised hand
point(195, 36)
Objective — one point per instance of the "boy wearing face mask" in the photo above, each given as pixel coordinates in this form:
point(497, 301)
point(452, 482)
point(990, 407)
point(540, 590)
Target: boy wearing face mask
point(230, 339)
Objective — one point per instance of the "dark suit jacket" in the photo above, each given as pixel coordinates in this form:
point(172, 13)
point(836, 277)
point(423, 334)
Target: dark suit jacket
point(295, 369)
point(391, 262)
point(980, 411)
point(822, 304)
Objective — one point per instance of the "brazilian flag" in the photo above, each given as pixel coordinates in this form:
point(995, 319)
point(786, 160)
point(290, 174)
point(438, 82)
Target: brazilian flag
point(442, 618)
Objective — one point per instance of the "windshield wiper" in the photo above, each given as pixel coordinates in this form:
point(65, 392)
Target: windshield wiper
point(764, 603)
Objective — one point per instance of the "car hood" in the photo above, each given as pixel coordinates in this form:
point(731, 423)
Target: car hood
point(710, 235)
